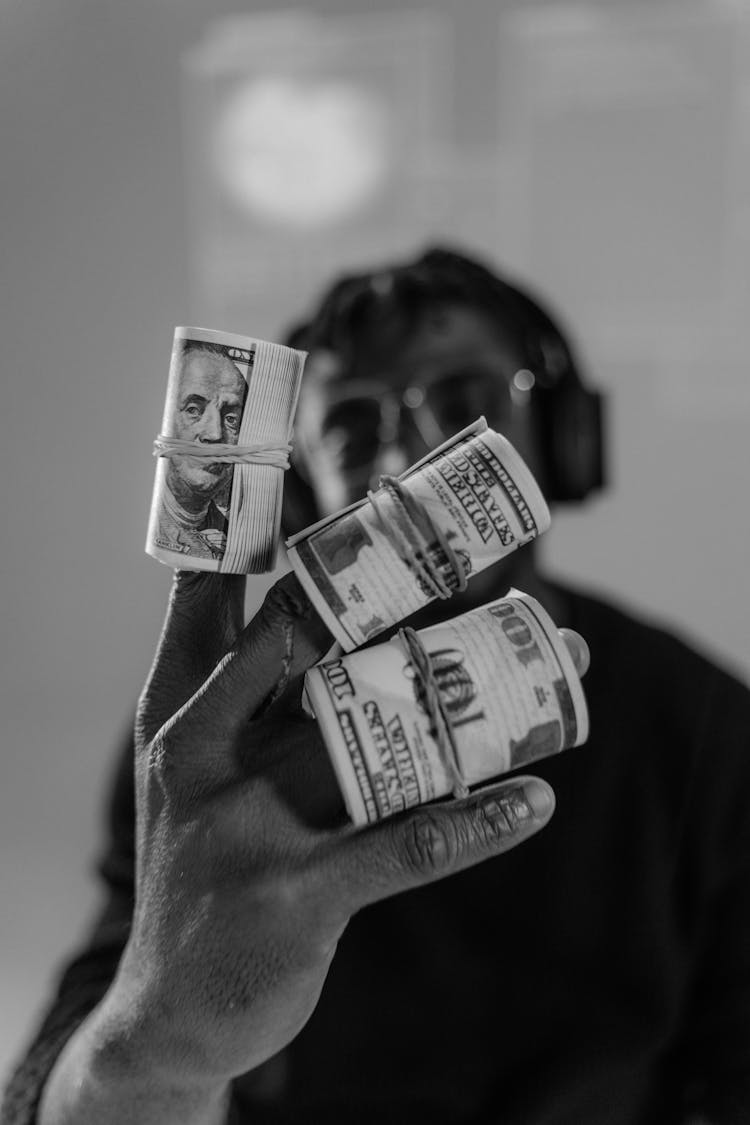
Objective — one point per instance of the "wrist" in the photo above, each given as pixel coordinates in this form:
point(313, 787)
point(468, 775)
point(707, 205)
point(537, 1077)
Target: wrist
point(176, 1026)
point(140, 1032)
point(132, 1048)
point(108, 1073)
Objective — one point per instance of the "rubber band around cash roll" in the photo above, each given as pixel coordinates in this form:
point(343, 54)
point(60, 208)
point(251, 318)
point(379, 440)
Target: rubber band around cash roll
point(435, 708)
point(261, 453)
point(410, 543)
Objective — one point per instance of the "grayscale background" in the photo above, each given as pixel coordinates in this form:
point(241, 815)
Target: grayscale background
point(160, 166)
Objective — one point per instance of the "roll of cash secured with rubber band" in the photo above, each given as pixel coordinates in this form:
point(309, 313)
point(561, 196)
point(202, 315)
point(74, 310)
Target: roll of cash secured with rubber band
point(420, 536)
point(222, 452)
point(433, 713)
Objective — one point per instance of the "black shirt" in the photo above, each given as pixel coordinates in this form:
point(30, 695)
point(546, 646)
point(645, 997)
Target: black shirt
point(597, 975)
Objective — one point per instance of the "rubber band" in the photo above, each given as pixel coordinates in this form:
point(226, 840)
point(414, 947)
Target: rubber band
point(261, 453)
point(415, 509)
point(413, 545)
point(410, 524)
point(440, 723)
point(407, 545)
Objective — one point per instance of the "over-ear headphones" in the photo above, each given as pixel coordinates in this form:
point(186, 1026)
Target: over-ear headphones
point(568, 415)
point(571, 424)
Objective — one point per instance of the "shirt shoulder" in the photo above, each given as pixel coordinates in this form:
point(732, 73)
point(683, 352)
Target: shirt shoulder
point(628, 647)
point(662, 709)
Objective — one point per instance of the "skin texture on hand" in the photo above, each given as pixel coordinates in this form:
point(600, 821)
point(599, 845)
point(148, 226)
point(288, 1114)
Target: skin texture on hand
point(247, 867)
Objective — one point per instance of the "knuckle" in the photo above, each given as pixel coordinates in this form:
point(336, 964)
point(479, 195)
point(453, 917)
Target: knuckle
point(162, 758)
point(431, 844)
point(158, 755)
point(286, 599)
point(500, 819)
point(435, 841)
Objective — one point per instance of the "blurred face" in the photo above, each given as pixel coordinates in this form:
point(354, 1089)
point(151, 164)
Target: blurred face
point(454, 366)
point(210, 397)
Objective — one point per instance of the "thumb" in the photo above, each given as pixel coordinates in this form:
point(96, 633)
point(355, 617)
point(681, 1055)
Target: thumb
point(441, 839)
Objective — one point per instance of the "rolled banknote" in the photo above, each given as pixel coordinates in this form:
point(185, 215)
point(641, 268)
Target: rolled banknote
point(464, 506)
point(223, 448)
point(422, 716)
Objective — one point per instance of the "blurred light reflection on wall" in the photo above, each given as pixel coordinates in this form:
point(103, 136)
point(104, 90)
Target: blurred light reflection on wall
point(307, 139)
point(303, 153)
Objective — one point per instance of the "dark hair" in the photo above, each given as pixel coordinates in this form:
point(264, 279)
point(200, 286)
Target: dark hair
point(393, 297)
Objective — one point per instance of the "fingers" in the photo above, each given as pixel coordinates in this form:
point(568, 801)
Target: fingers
point(208, 742)
point(290, 749)
point(283, 640)
point(439, 840)
point(578, 650)
point(204, 616)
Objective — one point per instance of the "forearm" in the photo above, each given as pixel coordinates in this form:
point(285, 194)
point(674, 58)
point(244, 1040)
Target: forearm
point(105, 1074)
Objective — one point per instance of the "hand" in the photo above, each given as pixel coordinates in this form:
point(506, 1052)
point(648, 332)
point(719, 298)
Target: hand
point(247, 869)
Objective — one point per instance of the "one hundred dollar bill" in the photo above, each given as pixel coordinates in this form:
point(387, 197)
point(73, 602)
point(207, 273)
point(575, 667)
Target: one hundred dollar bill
point(508, 687)
point(475, 488)
point(223, 391)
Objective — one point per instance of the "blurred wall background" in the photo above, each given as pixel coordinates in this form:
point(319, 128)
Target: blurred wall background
point(152, 156)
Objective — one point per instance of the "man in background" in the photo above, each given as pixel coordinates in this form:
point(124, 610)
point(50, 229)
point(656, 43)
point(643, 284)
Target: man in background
point(597, 975)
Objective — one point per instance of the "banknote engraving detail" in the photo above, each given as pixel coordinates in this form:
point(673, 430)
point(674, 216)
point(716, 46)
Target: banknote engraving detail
point(224, 392)
point(507, 686)
point(374, 564)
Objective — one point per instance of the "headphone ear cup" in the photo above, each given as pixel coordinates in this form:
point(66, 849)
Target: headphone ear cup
point(572, 423)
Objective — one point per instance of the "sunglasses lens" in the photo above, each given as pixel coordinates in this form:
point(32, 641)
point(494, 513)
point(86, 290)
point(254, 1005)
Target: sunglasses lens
point(460, 399)
point(436, 409)
point(354, 425)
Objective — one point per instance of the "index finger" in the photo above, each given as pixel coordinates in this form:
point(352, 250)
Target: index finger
point(282, 641)
point(204, 616)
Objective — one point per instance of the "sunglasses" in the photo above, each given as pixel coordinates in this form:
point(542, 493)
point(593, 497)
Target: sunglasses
point(364, 415)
